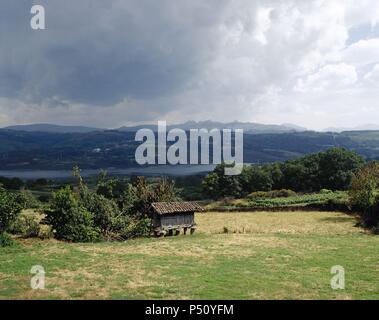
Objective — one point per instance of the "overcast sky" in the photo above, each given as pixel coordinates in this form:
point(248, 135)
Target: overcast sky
point(119, 62)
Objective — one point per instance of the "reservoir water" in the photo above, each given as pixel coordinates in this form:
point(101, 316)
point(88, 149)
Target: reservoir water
point(163, 170)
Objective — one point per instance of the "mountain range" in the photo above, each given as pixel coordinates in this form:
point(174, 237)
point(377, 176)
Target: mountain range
point(53, 128)
point(364, 127)
point(248, 127)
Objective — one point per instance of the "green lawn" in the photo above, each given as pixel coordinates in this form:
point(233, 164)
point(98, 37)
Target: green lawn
point(232, 256)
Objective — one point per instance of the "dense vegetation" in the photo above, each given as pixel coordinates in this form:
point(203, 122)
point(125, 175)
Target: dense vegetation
point(112, 148)
point(320, 181)
point(114, 210)
point(332, 169)
point(364, 195)
point(326, 199)
point(10, 207)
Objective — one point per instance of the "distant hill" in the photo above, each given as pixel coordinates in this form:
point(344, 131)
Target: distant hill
point(365, 127)
point(248, 127)
point(45, 127)
point(115, 148)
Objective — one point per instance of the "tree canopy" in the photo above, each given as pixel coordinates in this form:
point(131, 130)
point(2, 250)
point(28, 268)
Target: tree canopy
point(332, 169)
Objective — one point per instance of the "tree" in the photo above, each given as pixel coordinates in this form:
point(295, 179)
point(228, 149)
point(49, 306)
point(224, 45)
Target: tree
point(11, 183)
point(276, 174)
point(10, 207)
point(104, 212)
point(260, 180)
point(337, 167)
point(364, 194)
point(218, 185)
point(211, 186)
point(332, 169)
point(111, 188)
point(294, 174)
point(70, 219)
point(145, 194)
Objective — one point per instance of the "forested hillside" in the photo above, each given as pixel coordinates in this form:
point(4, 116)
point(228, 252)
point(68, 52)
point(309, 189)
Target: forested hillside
point(113, 148)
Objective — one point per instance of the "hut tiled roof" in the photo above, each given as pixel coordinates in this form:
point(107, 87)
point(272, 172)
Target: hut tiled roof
point(176, 207)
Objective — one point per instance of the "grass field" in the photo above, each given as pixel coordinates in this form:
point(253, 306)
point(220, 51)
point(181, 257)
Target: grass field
point(232, 256)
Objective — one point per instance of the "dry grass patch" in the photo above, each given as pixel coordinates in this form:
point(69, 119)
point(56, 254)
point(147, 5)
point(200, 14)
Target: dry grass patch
point(276, 222)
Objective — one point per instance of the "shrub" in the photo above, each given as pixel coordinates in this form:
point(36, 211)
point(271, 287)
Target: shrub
point(70, 220)
point(45, 232)
point(104, 211)
point(28, 201)
point(363, 194)
point(143, 194)
point(130, 227)
point(6, 240)
point(258, 195)
point(282, 193)
point(26, 225)
point(227, 201)
point(10, 207)
point(114, 211)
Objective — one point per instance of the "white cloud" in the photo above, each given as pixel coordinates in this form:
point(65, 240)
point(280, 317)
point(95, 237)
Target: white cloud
point(362, 52)
point(263, 23)
point(329, 77)
point(361, 12)
point(135, 61)
point(373, 75)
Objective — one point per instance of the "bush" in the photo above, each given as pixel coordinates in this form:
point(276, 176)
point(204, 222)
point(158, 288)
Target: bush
point(26, 225)
point(282, 193)
point(258, 195)
point(114, 211)
point(70, 220)
point(142, 194)
point(6, 240)
point(10, 207)
point(364, 195)
point(28, 201)
point(130, 227)
point(104, 211)
point(226, 201)
point(45, 232)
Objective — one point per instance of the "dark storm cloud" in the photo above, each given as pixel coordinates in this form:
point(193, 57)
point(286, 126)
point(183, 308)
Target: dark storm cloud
point(113, 62)
point(101, 52)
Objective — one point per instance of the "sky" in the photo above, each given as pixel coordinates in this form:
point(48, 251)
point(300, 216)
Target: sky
point(123, 62)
